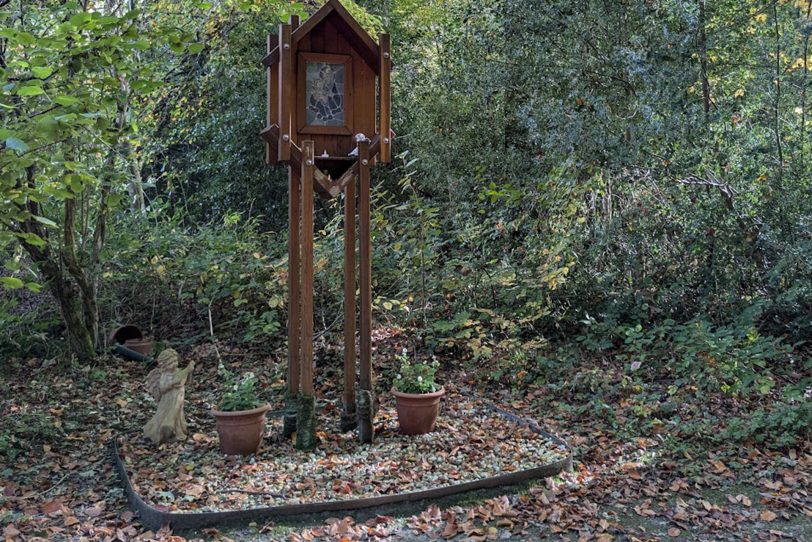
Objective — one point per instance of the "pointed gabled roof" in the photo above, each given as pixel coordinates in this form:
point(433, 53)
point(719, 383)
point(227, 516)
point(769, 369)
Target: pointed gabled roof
point(347, 26)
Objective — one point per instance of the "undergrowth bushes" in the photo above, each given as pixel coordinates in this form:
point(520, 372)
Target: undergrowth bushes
point(181, 283)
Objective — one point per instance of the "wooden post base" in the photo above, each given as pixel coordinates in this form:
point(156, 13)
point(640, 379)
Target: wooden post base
point(289, 418)
point(365, 412)
point(349, 420)
point(306, 423)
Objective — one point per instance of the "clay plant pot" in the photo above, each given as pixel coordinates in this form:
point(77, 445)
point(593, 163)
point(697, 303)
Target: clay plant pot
point(417, 412)
point(241, 431)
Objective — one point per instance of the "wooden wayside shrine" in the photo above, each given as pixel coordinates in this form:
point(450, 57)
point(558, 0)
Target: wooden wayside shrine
point(328, 119)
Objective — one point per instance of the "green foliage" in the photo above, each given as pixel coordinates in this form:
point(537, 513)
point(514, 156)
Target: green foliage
point(239, 391)
point(26, 327)
point(734, 358)
point(218, 278)
point(782, 425)
point(22, 431)
point(415, 376)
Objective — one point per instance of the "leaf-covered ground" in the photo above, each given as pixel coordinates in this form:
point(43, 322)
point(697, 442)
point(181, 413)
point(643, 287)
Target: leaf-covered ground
point(56, 481)
point(470, 442)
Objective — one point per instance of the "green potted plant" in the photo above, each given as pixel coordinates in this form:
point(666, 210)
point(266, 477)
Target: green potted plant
point(417, 395)
point(241, 417)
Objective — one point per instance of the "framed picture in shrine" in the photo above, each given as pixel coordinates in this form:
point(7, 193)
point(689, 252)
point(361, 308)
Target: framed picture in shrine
point(325, 94)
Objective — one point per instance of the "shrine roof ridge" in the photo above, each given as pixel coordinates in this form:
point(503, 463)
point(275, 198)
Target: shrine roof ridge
point(349, 28)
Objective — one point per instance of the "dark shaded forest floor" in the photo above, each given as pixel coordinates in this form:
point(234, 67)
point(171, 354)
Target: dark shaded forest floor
point(633, 479)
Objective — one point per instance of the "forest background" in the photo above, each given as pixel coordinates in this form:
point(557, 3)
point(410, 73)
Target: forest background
point(587, 197)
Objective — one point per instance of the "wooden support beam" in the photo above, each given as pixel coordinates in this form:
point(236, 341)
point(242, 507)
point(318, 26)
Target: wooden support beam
point(384, 45)
point(272, 116)
point(348, 175)
point(294, 24)
point(308, 166)
point(347, 178)
point(294, 281)
point(285, 82)
point(366, 406)
point(349, 301)
point(327, 188)
point(365, 267)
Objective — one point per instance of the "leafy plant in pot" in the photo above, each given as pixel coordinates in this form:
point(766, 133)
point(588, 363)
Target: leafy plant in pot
point(241, 418)
point(417, 395)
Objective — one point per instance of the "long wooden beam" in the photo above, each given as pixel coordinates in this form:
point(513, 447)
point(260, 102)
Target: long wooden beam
point(285, 92)
point(384, 43)
point(349, 301)
point(308, 165)
point(272, 115)
point(294, 281)
point(365, 431)
point(365, 266)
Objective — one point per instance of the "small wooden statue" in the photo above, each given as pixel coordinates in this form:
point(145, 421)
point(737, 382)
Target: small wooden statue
point(166, 384)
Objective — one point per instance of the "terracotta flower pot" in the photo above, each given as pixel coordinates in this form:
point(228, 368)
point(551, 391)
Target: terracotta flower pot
point(241, 431)
point(417, 412)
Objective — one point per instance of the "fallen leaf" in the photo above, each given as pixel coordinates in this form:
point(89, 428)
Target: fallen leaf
point(767, 515)
point(52, 507)
point(673, 532)
point(94, 511)
point(718, 466)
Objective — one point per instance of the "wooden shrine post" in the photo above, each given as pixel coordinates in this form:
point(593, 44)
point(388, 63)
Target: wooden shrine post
point(325, 78)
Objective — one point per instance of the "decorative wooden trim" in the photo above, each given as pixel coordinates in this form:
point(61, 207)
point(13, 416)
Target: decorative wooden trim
point(305, 128)
point(285, 93)
point(386, 97)
point(308, 166)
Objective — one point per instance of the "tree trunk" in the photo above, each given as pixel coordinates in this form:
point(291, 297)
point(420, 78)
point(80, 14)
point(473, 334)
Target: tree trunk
point(80, 337)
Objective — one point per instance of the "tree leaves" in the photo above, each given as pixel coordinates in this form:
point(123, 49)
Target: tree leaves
point(16, 144)
point(30, 90)
point(11, 282)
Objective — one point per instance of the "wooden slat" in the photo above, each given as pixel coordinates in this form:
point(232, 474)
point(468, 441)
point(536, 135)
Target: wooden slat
point(308, 165)
point(349, 298)
point(294, 281)
point(272, 116)
point(286, 83)
point(294, 24)
point(386, 121)
point(365, 272)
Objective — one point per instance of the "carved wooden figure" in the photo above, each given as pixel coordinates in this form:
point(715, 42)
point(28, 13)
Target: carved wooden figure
point(328, 120)
point(166, 384)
